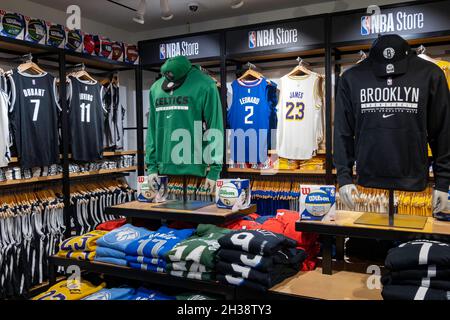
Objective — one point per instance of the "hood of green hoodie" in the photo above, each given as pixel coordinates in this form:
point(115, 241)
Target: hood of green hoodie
point(176, 68)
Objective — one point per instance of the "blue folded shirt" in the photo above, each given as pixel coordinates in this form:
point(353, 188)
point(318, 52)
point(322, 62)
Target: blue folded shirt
point(146, 294)
point(119, 262)
point(144, 260)
point(111, 294)
point(110, 253)
point(120, 238)
point(146, 267)
point(158, 243)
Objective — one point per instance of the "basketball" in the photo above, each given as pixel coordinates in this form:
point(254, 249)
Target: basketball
point(318, 203)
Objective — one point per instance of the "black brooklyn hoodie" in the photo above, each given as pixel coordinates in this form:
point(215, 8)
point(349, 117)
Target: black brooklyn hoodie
point(386, 112)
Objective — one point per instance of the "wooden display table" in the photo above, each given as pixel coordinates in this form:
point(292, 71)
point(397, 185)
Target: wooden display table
point(344, 225)
point(342, 285)
point(208, 214)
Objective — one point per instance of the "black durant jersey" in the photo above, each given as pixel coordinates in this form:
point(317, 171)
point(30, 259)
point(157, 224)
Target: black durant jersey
point(86, 117)
point(34, 119)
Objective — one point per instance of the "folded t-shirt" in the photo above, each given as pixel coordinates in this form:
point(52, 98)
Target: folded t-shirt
point(267, 279)
point(200, 248)
point(108, 252)
point(110, 260)
point(261, 242)
point(425, 282)
point(196, 296)
point(401, 292)
point(189, 266)
point(240, 282)
point(146, 267)
point(430, 271)
point(144, 260)
point(120, 238)
point(85, 242)
point(413, 254)
point(146, 294)
point(158, 243)
point(205, 276)
point(291, 256)
point(111, 294)
point(77, 255)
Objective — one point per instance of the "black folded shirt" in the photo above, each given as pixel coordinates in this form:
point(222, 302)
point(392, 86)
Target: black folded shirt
point(403, 292)
point(290, 256)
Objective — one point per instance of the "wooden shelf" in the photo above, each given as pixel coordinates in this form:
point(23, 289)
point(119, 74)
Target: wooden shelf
point(175, 210)
point(275, 171)
point(319, 152)
point(105, 154)
point(342, 285)
point(101, 172)
point(31, 180)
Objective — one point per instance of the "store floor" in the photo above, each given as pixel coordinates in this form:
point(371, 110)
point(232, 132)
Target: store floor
point(342, 285)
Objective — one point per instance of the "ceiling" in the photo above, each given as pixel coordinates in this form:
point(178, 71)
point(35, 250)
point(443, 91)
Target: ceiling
point(120, 17)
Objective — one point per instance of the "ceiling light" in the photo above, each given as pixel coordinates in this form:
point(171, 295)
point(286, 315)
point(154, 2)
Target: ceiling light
point(140, 12)
point(236, 4)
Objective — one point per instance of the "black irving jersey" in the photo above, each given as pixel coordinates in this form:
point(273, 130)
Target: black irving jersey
point(86, 117)
point(34, 119)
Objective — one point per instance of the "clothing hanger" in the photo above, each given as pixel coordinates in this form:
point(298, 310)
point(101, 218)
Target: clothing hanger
point(421, 53)
point(362, 57)
point(82, 74)
point(29, 65)
point(300, 69)
point(251, 74)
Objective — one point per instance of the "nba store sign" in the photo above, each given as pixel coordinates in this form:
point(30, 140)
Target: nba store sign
point(408, 21)
point(391, 22)
point(272, 37)
point(193, 47)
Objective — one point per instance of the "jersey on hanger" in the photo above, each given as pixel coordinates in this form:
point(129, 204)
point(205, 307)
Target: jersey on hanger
point(34, 119)
point(299, 116)
point(86, 117)
point(251, 116)
point(4, 130)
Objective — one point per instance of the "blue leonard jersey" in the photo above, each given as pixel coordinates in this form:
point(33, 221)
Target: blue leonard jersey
point(251, 117)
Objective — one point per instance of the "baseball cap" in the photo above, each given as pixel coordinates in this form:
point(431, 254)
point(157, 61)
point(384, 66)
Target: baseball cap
point(174, 71)
point(390, 55)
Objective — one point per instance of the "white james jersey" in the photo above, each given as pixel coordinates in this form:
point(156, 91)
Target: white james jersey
point(5, 141)
point(299, 114)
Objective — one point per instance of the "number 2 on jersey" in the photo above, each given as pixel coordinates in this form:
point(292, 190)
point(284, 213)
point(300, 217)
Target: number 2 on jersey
point(85, 112)
point(250, 111)
point(300, 106)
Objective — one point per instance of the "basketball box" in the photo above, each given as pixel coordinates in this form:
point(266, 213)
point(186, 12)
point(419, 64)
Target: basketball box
point(103, 47)
point(89, 44)
point(118, 51)
point(56, 35)
point(74, 40)
point(233, 193)
point(317, 202)
point(131, 53)
point(155, 193)
point(35, 30)
point(12, 25)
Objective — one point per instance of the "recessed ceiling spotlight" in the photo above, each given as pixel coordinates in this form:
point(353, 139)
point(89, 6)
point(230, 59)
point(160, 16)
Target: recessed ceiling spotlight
point(236, 4)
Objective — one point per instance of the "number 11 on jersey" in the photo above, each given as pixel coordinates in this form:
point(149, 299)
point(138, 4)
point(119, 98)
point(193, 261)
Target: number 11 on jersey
point(85, 112)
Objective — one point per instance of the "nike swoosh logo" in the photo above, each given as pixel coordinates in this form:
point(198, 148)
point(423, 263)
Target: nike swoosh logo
point(387, 115)
point(168, 117)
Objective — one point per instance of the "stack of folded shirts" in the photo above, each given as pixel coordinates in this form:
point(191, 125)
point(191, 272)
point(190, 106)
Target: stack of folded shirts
point(257, 259)
point(70, 290)
point(81, 247)
point(111, 247)
point(316, 163)
point(195, 257)
point(126, 293)
point(148, 253)
point(418, 270)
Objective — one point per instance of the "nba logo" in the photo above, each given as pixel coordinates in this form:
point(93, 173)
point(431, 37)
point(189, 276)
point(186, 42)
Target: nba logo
point(162, 51)
point(252, 39)
point(365, 25)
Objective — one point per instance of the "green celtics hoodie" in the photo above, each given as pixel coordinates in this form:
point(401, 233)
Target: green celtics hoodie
point(177, 141)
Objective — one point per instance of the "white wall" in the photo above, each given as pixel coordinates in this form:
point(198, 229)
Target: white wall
point(289, 13)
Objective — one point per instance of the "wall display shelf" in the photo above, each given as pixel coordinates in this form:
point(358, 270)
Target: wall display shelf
point(102, 172)
point(8, 183)
point(276, 172)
